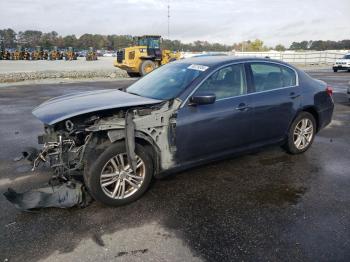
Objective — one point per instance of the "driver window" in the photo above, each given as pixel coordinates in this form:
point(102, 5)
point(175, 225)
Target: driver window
point(227, 82)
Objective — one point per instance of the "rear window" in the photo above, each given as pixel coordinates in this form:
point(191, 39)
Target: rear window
point(268, 76)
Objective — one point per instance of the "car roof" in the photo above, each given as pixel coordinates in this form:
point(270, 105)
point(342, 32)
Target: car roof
point(214, 61)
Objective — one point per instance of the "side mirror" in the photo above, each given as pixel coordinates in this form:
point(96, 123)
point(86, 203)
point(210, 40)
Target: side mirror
point(202, 99)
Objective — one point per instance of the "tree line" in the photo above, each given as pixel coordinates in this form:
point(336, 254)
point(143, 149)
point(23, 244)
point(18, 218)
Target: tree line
point(32, 38)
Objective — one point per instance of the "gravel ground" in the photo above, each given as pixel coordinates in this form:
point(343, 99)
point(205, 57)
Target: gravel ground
point(16, 71)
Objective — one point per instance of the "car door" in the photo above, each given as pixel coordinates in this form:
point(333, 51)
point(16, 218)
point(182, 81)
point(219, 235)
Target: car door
point(205, 130)
point(274, 101)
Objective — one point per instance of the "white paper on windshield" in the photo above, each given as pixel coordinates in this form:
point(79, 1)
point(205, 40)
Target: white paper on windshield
point(198, 67)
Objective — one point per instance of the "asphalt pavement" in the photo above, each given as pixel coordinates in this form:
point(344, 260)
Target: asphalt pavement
point(264, 206)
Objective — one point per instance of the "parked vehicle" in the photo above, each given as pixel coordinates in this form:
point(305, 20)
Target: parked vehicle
point(55, 54)
point(342, 64)
point(91, 55)
point(70, 54)
point(181, 115)
point(145, 56)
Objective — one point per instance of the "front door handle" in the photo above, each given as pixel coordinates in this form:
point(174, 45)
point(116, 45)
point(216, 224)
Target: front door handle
point(242, 107)
point(293, 95)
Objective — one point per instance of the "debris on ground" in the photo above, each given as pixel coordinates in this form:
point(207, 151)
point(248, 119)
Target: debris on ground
point(62, 195)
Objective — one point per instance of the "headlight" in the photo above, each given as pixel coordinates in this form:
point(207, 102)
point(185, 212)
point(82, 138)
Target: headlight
point(142, 50)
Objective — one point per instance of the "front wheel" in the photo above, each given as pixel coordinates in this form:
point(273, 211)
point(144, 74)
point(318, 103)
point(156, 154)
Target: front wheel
point(335, 70)
point(301, 133)
point(111, 180)
point(146, 67)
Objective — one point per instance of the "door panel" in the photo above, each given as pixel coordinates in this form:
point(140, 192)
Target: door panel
point(204, 130)
point(275, 101)
point(273, 112)
point(208, 129)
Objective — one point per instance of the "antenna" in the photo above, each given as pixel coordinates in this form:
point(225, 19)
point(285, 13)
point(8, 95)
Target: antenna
point(168, 19)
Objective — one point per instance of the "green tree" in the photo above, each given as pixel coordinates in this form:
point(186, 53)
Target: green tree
point(29, 38)
point(70, 40)
point(8, 36)
point(280, 47)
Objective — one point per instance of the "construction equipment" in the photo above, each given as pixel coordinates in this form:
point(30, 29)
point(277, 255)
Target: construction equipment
point(26, 54)
point(144, 56)
point(70, 54)
point(2, 50)
point(91, 54)
point(18, 54)
point(55, 54)
point(38, 53)
point(6, 55)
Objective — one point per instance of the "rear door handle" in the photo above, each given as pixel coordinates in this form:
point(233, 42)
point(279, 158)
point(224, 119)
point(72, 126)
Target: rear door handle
point(293, 95)
point(242, 107)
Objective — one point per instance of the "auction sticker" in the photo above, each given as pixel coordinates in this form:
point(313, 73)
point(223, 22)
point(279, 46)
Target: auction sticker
point(198, 67)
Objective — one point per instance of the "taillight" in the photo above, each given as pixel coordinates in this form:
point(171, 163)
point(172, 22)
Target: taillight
point(329, 90)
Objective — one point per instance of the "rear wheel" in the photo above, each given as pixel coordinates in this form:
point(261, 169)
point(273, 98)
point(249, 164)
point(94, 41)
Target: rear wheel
point(146, 67)
point(111, 180)
point(301, 133)
point(335, 70)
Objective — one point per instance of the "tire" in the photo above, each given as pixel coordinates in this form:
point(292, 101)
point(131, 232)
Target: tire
point(93, 172)
point(133, 74)
point(335, 70)
point(146, 67)
point(292, 142)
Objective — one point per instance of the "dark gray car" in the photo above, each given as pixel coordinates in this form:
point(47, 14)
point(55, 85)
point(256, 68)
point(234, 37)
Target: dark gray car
point(183, 114)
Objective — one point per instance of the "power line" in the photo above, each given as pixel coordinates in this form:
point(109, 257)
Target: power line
point(168, 19)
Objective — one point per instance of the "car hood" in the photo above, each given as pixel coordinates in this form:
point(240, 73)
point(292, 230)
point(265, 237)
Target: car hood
point(70, 105)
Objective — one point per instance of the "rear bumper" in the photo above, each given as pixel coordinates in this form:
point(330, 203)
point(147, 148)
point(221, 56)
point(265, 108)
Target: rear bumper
point(341, 67)
point(325, 117)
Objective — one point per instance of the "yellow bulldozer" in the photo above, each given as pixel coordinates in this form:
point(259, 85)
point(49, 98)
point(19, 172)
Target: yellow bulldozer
point(55, 54)
point(144, 56)
point(91, 54)
point(70, 54)
point(38, 53)
point(18, 54)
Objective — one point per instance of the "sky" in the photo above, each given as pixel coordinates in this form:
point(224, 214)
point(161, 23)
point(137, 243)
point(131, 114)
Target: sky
point(223, 21)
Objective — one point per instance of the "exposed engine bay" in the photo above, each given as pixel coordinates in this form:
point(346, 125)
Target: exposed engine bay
point(66, 143)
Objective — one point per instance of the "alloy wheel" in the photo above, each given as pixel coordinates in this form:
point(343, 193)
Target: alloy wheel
point(118, 180)
point(303, 133)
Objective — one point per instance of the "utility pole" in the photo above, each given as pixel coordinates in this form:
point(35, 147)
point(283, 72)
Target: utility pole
point(168, 19)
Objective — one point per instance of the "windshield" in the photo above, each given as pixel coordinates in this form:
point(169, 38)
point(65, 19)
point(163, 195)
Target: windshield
point(166, 82)
point(149, 42)
point(346, 57)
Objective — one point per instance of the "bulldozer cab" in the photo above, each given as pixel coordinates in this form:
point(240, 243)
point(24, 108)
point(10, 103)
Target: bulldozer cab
point(149, 41)
point(153, 45)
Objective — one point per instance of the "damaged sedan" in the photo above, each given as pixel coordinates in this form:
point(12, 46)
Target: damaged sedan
point(182, 114)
